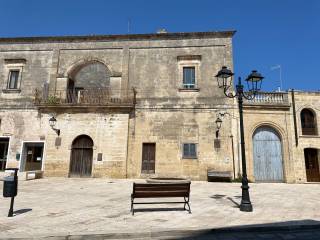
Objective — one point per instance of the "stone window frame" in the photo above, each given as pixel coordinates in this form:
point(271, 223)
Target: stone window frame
point(13, 65)
point(189, 61)
point(189, 157)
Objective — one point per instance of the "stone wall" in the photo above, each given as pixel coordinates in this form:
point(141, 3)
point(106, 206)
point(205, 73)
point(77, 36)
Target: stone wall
point(169, 129)
point(20, 126)
point(309, 100)
point(109, 133)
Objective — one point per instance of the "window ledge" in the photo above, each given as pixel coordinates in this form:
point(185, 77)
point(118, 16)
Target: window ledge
point(11, 90)
point(189, 89)
point(309, 136)
point(189, 158)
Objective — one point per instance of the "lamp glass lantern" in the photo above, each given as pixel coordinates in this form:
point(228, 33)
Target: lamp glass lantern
point(218, 123)
point(254, 81)
point(52, 122)
point(224, 78)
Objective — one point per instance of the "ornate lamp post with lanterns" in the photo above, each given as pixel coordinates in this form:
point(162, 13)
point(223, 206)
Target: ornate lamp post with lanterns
point(254, 81)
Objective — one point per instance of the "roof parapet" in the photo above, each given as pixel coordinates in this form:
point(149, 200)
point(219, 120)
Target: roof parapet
point(124, 37)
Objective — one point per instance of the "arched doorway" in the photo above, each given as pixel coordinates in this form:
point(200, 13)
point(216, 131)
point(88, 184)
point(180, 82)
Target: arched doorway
point(267, 155)
point(312, 164)
point(81, 157)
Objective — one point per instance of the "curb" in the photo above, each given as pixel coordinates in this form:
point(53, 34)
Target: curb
point(266, 229)
point(171, 234)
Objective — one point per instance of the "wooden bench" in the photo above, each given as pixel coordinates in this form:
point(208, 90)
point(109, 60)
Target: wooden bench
point(219, 176)
point(161, 190)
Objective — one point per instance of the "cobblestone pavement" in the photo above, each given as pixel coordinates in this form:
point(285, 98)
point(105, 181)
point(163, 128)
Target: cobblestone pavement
point(61, 207)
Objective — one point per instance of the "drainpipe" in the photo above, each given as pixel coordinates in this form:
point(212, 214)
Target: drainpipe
point(233, 163)
point(294, 117)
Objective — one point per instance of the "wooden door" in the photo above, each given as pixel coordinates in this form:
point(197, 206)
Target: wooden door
point(3, 153)
point(148, 158)
point(267, 155)
point(312, 164)
point(81, 157)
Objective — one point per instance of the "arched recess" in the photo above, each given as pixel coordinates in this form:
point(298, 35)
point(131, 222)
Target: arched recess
point(308, 122)
point(81, 157)
point(267, 155)
point(88, 74)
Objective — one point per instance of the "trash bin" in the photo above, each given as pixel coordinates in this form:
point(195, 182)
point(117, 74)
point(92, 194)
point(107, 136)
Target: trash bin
point(10, 186)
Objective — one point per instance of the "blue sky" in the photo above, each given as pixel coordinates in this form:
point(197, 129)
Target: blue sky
point(269, 32)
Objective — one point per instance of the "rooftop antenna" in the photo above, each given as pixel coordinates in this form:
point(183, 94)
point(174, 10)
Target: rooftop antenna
point(129, 22)
point(280, 75)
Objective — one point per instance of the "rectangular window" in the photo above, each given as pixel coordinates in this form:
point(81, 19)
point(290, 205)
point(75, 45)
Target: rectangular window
point(13, 79)
point(189, 150)
point(189, 77)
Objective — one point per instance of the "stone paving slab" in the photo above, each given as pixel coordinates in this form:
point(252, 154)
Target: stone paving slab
point(62, 207)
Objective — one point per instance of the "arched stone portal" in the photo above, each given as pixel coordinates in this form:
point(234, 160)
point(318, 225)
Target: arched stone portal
point(267, 155)
point(81, 157)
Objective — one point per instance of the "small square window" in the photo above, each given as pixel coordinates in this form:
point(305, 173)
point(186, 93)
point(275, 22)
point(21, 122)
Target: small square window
point(189, 77)
point(13, 79)
point(189, 150)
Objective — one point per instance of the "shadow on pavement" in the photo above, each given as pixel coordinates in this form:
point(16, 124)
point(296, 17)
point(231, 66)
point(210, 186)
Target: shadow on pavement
point(220, 196)
point(293, 230)
point(157, 209)
point(236, 205)
point(22, 211)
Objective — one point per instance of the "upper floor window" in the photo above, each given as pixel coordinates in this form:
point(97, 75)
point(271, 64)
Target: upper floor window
point(13, 69)
point(13, 79)
point(189, 77)
point(308, 122)
point(189, 72)
point(189, 150)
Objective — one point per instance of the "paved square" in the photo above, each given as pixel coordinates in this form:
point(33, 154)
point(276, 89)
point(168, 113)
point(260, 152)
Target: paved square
point(61, 206)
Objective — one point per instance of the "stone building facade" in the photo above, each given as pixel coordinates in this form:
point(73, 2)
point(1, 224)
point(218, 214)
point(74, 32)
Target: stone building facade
point(139, 106)
point(290, 119)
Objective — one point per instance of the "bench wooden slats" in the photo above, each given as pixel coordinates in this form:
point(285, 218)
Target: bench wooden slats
point(156, 194)
point(163, 189)
point(160, 190)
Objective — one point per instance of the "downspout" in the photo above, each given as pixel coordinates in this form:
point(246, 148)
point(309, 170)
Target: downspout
point(294, 117)
point(233, 163)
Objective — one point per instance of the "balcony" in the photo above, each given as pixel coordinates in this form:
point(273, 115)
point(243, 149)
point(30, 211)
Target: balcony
point(269, 99)
point(85, 98)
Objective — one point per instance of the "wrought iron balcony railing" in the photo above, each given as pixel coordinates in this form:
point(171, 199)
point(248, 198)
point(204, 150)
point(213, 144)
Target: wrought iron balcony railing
point(85, 97)
point(269, 98)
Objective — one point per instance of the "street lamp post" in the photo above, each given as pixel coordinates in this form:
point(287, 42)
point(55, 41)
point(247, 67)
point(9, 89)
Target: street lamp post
point(254, 81)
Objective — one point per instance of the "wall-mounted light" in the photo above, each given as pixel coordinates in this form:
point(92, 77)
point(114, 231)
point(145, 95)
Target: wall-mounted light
point(218, 123)
point(52, 123)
